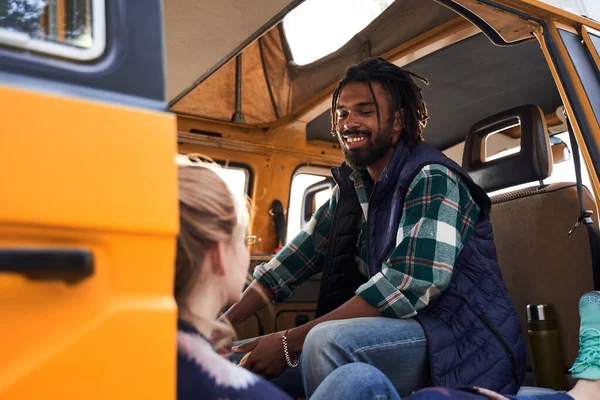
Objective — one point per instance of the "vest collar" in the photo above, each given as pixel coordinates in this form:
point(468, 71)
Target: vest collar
point(399, 157)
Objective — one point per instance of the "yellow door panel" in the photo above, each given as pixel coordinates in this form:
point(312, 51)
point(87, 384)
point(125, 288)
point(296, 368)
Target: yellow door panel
point(119, 163)
point(98, 177)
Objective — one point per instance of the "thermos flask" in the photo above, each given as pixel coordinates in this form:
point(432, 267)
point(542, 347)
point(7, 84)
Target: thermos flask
point(545, 350)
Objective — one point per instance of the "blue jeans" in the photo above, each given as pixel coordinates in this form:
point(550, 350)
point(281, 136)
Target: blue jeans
point(396, 347)
point(356, 381)
point(363, 381)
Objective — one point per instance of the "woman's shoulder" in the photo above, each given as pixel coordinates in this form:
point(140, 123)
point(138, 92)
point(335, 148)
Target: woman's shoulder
point(201, 370)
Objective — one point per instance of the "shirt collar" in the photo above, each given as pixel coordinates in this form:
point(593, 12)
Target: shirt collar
point(359, 176)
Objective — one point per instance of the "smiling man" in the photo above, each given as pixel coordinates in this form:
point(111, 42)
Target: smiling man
point(411, 284)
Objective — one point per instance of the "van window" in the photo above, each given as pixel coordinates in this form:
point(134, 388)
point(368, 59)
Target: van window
point(73, 29)
point(236, 179)
point(307, 25)
point(303, 178)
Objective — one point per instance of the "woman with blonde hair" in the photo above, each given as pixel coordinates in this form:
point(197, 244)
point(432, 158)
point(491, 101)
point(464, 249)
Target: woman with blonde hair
point(210, 271)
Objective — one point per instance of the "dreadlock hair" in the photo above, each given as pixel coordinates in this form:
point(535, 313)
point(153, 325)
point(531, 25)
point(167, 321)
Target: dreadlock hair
point(407, 97)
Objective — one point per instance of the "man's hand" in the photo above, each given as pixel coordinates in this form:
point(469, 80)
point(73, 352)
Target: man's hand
point(267, 358)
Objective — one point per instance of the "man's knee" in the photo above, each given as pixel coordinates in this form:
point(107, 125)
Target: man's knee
point(327, 340)
point(360, 372)
point(325, 335)
point(323, 351)
point(356, 381)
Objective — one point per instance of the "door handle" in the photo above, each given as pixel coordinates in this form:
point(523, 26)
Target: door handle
point(69, 265)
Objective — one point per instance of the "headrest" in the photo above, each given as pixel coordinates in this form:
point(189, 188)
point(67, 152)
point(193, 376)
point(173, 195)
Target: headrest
point(532, 163)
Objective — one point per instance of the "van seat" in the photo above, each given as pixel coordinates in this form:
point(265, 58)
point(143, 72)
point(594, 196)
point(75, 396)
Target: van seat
point(540, 262)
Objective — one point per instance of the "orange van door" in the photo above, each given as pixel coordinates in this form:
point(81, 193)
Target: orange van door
point(88, 210)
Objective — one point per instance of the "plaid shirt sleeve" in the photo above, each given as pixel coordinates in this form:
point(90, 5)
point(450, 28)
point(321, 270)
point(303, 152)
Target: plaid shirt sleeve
point(300, 259)
point(438, 217)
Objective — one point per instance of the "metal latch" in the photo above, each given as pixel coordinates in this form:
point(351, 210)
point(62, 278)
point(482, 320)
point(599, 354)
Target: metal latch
point(585, 217)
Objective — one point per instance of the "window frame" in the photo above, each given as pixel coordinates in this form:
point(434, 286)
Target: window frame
point(115, 77)
point(310, 196)
point(21, 40)
point(319, 170)
point(247, 169)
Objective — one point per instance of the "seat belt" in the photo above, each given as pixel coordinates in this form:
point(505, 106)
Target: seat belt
point(586, 215)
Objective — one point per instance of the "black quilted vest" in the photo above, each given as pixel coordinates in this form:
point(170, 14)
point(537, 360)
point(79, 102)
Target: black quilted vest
point(341, 276)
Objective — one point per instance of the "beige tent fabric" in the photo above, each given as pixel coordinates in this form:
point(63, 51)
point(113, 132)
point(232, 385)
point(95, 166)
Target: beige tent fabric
point(256, 102)
point(273, 86)
point(198, 34)
point(215, 97)
point(276, 68)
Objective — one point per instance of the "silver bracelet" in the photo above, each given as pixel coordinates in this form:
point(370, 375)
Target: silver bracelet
point(290, 363)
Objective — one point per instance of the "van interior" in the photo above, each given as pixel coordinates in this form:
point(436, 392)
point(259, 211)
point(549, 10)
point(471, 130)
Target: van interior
point(493, 108)
point(513, 95)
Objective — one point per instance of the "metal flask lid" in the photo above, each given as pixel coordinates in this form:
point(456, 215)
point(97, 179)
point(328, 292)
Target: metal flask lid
point(540, 312)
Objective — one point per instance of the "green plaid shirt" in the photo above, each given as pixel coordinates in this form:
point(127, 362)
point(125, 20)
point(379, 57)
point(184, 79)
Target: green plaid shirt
point(437, 219)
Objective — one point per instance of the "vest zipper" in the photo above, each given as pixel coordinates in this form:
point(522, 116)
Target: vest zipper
point(387, 248)
point(504, 345)
point(367, 232)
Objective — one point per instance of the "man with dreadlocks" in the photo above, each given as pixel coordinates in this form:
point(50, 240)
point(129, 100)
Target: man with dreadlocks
point(410, 283)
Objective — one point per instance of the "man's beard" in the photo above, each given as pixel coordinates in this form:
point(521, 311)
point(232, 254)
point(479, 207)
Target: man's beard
point(372, 151)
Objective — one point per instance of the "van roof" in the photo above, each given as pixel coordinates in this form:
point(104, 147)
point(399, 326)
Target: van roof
point(470, 78)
